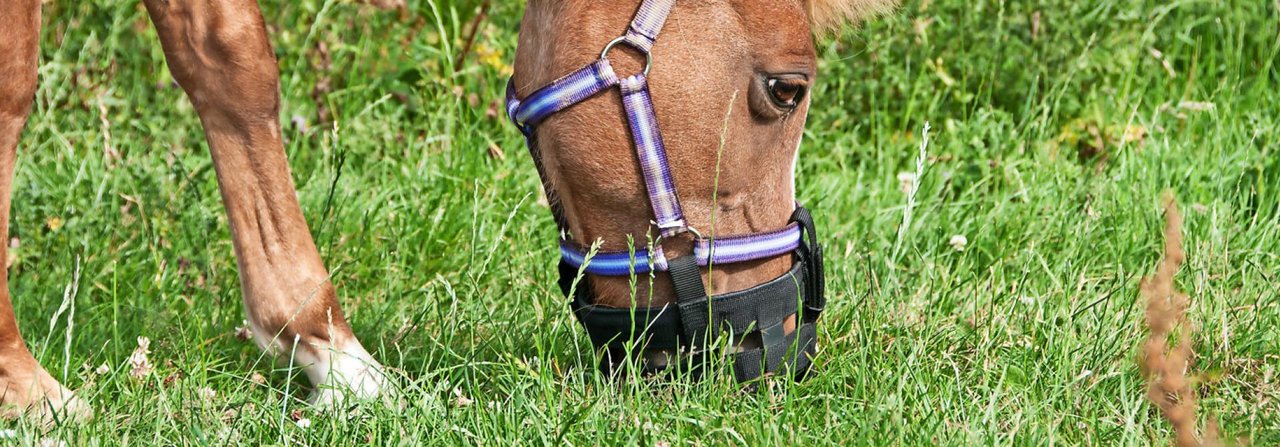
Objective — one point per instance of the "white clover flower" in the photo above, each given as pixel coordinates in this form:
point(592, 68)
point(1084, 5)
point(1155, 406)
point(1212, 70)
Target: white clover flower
point(243, 332)
point(461, 400)
point(140, 365)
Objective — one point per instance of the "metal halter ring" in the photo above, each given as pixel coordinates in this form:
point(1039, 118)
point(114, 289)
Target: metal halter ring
point(693, 231)
point(648, 57)
point(686, 228)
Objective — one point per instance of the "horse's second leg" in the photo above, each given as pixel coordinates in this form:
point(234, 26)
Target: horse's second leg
point(25, 387)
point(219, 53)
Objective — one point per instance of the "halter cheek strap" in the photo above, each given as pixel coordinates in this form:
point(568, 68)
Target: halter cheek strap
point(696, 311)
point(651, 154)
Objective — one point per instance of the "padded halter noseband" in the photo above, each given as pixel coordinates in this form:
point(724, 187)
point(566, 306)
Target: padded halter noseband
point(684, 327)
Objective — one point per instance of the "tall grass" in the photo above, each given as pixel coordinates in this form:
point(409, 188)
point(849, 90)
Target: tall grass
point(1056, 125)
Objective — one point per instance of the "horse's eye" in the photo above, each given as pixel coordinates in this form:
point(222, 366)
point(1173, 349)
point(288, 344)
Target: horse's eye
point(787, 91)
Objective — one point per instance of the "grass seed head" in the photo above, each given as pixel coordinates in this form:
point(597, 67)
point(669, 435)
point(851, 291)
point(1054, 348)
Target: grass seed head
point(1168, 386)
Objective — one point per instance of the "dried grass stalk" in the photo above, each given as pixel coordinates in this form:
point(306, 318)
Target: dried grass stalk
point(1168, 386)
point(385, 4)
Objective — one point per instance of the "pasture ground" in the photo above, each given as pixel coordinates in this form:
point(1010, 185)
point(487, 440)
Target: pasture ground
point(1056, 125)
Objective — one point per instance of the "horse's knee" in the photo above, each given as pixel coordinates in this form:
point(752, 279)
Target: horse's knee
point(219, 53)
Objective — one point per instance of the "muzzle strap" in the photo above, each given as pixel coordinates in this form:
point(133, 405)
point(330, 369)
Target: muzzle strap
point(816, 294)
point(710, 251)
point(795, 351)
point(691, 299)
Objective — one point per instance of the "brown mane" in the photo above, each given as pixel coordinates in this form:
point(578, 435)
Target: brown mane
point(829, 15)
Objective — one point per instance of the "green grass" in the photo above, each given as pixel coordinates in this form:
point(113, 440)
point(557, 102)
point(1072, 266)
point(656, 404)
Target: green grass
point(444, 262)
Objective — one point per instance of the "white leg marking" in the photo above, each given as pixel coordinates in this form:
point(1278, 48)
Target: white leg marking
point(341, 370)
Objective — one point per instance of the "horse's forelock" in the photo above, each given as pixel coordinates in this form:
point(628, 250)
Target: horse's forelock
point(829, 15)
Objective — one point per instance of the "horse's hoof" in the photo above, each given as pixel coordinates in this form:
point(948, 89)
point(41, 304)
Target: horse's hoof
point(28, 391)
point(350, 375)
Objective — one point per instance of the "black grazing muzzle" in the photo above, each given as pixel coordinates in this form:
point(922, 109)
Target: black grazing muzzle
point(693, 323)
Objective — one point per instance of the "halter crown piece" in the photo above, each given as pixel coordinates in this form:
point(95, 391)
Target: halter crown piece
point(695, 319)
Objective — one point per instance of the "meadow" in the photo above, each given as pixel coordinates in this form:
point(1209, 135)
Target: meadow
point(1056, 125)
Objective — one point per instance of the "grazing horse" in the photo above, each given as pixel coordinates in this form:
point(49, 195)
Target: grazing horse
point(666, 134)
point(219, 53)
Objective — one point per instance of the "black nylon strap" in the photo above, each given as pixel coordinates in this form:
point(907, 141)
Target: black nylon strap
point(795, 351)
point(811, 251)
point(691, 297)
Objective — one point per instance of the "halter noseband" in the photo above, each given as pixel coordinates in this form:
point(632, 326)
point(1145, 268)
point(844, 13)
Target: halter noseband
point(685, 326)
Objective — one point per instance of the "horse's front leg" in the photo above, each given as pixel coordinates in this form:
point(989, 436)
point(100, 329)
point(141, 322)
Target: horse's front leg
point(219, 53)
point(25, 387)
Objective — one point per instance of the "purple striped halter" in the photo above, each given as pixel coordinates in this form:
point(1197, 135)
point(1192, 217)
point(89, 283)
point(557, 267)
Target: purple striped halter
point(761, 309)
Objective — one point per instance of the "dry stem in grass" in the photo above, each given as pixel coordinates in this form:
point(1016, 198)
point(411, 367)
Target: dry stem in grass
point(385, 4)
point(1168, 386)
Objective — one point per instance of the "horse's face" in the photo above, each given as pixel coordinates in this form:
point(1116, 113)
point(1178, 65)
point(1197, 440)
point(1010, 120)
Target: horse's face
point(730, 82)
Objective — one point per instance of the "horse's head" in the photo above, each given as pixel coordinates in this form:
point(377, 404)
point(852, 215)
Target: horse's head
point(729, 82)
